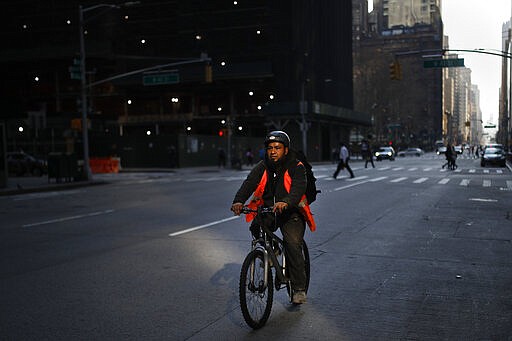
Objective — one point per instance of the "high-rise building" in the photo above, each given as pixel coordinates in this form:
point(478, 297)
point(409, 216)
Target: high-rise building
point(408, 13)
point(265, 65)
point(390, 80)
point(504, 134)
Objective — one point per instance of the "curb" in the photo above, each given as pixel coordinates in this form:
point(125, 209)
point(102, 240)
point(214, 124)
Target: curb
point(52, 187)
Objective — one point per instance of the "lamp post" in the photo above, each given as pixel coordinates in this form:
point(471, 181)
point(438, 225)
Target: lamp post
point(83, 90)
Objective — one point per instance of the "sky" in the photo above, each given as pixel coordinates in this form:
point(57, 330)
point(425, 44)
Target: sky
point(472, 24)
point(475, 24)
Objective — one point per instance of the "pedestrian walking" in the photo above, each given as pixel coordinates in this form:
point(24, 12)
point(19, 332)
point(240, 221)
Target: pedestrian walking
point(343, 163)
point(221, 156)
point(366, 153)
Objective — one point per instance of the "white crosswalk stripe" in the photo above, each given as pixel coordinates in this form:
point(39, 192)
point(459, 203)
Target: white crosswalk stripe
point(399, 179)
point(472, 170)
point(464, 182)
point(412, 169)
point(420, 180)
point(444, 181)
point(486, 171)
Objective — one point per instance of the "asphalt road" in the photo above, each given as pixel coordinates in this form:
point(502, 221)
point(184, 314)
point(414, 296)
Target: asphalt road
point(405, 251)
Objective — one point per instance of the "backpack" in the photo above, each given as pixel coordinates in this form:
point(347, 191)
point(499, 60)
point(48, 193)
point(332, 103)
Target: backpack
point(311, 190)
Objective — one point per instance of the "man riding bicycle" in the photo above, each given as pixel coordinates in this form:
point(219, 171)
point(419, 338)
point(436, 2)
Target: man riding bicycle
point(280, 181)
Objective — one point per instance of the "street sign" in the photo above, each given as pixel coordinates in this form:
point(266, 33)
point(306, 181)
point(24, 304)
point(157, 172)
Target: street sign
point(161, 78)
point(490, 126)
point(452, 62)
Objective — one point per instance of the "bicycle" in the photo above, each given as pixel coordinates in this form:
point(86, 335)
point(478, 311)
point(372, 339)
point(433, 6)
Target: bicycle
point(257, 284)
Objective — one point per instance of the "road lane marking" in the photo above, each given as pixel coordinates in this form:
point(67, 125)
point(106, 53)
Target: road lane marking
point(398, 168)
point(464, 182)
point(195, 228)
point(486, 171)
point(427, 169)
point(399, 179)
point(444, 181)
point(499, 171)
point(359, 183)
point(420, 180)
point(383, 168)
point(357, 178)
point(483, 200)
point(472, 170)
point(59, 220)
point(487, 183)
point(412, 169)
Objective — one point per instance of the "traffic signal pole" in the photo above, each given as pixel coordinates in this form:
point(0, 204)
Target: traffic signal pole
point(83, 91)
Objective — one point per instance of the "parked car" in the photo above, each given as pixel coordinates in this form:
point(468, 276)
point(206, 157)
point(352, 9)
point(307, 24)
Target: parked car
point(411, 152)
point(20, 163)
point(495, 156)
point(441, 150)
point(384, 153)
point(458, 149)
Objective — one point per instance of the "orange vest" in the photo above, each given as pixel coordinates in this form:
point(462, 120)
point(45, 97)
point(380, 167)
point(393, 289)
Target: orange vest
point(257, 200)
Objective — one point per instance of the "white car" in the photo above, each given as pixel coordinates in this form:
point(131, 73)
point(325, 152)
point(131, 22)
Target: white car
point(441, 150)
point(411, 152)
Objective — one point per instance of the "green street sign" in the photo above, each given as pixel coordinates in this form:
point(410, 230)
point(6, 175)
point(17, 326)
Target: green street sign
point(452, 62)
point(161, 78)
point(490, 126)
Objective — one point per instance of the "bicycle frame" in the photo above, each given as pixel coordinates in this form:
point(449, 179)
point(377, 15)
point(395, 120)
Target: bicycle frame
point(265, 243)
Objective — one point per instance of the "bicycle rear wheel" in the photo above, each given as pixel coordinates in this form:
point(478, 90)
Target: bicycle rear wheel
point(255, 297)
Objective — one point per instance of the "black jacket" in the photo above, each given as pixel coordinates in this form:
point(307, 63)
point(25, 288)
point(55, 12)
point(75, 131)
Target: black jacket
point(274, 189)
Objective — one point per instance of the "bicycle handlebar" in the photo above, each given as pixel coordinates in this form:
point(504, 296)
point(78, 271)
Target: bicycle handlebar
point(247, 210)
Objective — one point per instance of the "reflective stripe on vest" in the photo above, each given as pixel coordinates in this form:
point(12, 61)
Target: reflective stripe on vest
point(257, 199)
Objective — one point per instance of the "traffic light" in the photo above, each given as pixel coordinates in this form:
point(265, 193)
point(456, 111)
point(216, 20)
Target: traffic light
point(208, 73)
point(223, 132)
point(75, 69)
point(395, 71)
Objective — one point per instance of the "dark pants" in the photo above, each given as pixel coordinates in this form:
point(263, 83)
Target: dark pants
point(368, 158)
point(293, 236)
point(342, 165)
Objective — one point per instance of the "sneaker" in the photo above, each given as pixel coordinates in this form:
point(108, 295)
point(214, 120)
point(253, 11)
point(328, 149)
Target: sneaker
point(299, 297)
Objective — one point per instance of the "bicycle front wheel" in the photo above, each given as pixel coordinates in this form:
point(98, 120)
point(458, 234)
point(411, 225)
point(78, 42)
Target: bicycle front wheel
point(255, 297)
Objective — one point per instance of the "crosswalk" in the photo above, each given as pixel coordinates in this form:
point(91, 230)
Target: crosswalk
point(502, 184)
point(431, 175)
point(462, 177)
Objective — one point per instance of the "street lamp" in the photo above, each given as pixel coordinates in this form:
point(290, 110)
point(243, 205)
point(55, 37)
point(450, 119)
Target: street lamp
point(83, 90)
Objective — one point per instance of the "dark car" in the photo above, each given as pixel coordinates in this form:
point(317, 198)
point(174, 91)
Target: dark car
point(20, 163)
point(384, 153)
point(493, 156)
